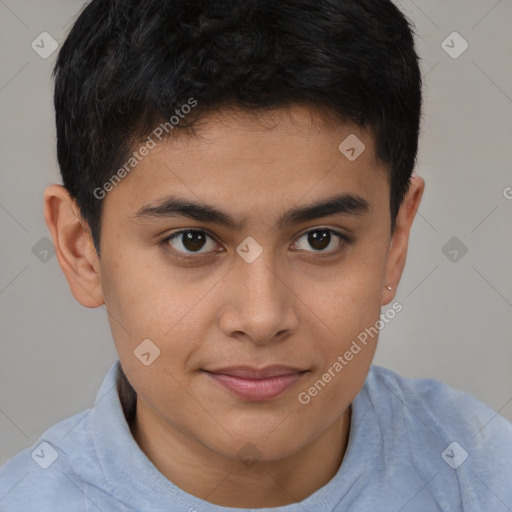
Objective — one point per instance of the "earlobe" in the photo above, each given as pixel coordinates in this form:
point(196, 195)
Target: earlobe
point(397, 254)
point(73, 246)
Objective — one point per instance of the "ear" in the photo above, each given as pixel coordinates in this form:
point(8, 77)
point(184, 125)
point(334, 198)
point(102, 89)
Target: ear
point(400, 239)
point(73, 246)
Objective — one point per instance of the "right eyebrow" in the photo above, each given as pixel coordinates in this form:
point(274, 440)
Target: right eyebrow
point(174, 206)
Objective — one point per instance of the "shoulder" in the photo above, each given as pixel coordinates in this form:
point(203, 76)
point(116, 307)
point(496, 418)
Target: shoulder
point(453, 440)
point(445, 408)
point(45, 473)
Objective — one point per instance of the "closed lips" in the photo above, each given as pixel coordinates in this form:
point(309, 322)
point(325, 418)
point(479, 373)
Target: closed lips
point(247, 372)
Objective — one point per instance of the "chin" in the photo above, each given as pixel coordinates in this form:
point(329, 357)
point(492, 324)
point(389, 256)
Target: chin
point(264, 446)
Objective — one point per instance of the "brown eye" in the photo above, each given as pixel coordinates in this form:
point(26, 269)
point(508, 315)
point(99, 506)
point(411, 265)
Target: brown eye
point(190, 241)
point(322, 238)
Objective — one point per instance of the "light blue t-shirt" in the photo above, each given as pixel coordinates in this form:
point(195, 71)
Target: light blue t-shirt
point(415, 445)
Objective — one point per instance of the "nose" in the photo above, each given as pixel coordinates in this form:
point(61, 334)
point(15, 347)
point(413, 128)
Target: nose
point(261, 304)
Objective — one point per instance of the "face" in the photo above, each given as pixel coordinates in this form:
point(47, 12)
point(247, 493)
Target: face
point(281, 284)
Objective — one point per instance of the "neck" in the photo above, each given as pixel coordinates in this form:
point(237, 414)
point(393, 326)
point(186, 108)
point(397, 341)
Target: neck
point(228, 482)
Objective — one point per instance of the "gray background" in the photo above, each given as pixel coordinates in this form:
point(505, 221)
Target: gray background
point(456, 323)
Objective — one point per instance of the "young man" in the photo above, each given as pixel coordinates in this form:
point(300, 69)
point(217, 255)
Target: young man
point(238, 194)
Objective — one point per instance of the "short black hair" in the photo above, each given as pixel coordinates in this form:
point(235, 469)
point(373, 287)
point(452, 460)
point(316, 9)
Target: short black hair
point(128, 65)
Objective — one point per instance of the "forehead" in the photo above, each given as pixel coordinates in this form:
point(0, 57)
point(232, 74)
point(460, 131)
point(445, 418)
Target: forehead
point(243, 160)
point(244, 135)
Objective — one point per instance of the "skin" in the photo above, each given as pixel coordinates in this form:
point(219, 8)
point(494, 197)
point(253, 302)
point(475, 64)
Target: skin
point(289, 306)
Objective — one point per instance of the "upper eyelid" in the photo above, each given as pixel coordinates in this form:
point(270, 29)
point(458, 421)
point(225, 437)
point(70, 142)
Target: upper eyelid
point(336, 232)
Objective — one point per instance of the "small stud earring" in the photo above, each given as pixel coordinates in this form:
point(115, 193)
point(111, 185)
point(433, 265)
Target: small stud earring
point(389, 288)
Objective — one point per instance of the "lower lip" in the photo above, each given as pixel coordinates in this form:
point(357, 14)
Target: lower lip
point(256, 389)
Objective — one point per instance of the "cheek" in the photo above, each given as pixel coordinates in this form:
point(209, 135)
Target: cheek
point(352, 334)
point(346, 349)
point(135, 291)
point(349, 299)
point(145, 299)
point(348, 309)
point(132, 302)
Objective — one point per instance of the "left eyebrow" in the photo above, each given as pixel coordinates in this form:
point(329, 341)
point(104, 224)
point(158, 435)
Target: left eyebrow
point(173, 206)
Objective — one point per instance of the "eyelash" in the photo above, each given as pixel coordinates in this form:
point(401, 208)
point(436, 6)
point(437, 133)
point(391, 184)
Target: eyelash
point(344, 241)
